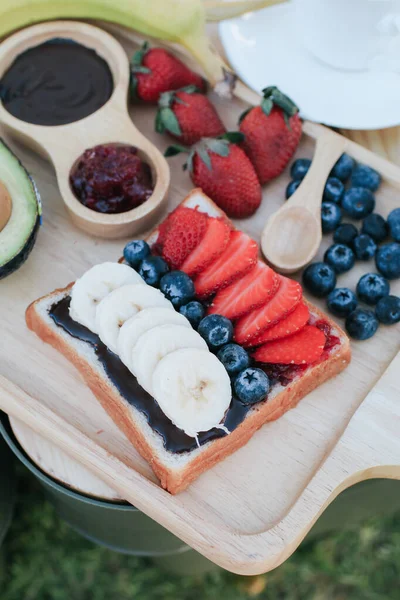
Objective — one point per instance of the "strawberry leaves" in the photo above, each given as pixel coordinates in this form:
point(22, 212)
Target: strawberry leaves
point(234, 137)
point(219, 145)
point(267, 105)
point(244, 114)
point(137, 66)
point(205, 157)
point(168, 98)
point(175, 149)
point(166, 119)
point(137, 59)
point(274, 97)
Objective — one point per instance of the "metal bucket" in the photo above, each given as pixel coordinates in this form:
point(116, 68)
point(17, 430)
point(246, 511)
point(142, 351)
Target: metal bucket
point(372, 498)
point(118, 526)
point(7, 495)
point(123, 528)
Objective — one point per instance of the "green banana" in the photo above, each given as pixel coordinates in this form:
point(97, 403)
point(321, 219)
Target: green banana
point(218, 10)
point(178, 21)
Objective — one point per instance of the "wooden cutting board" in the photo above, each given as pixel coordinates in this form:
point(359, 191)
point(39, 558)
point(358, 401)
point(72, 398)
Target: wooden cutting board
point(251, 511)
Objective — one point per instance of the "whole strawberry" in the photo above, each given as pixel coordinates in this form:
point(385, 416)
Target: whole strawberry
point(188, 115)
point(155, 70)
point(272, 133)
point(224, 173)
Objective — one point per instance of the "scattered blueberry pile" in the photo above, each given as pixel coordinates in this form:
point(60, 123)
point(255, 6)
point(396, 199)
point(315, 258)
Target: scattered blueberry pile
point(251, 384)
point(349, 192)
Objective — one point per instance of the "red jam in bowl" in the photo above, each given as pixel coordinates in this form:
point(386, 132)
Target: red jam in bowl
point(111, 179)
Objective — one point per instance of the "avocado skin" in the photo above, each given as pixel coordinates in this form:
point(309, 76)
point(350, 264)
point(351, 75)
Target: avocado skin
point(21, 257)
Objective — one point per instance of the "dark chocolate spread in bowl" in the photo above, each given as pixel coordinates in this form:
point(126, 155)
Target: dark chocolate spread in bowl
point(55, 83)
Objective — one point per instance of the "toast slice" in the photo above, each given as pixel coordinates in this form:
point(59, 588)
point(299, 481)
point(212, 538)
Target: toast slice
point(177, 470)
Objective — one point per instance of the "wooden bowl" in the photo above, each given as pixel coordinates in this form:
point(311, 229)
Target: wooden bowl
point(63, 144)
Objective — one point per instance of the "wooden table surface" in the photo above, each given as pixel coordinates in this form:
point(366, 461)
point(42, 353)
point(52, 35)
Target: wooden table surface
point(385, 142)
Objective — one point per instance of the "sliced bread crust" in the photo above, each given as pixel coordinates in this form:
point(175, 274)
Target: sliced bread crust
point(177, 471)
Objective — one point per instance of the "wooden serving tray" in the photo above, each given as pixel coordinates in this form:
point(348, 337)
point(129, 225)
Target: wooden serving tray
point(250, 512)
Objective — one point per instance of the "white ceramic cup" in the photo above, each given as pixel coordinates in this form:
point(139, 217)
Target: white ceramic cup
point(351, 34)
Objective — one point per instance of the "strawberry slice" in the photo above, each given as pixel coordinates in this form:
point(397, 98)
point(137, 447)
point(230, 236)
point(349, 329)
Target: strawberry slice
point(163, 229)
point(282, 303)
point(249, 292)
point(214, 242)
point(295, 321)
point(238, 258)
point(303, 347)
point(181, 234)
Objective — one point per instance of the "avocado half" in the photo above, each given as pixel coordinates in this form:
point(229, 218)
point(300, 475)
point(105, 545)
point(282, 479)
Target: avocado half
point(18, 236)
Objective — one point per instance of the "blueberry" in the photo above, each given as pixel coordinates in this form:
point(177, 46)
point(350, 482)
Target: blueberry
point(387, 260)
point(345, 234)
point(331, 215)
point(177, 287)
point(340, 258)
point(234, 358)
point(341, 302)
point(334, 190)
point(372, 287)
point(252, 385)
point(135, 252)
point(388, 310)
point(216, 330)
point(299, 168)
point(343, 168)
point(152, 269)
point(364, 247)
point(375, 226)
point(364, 176)
point(194, 312)
point(361, 324)
point(291, 188)
point(319, 278)
point(394, 224)
point(358, 202)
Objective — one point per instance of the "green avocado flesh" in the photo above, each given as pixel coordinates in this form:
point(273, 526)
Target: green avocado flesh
point(19, 235)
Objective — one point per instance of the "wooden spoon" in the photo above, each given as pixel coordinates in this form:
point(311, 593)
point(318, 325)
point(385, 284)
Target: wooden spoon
point(64, 144)
point(292, 236)
point(5, 206)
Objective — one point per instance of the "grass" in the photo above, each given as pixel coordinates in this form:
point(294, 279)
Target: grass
point(46, 560)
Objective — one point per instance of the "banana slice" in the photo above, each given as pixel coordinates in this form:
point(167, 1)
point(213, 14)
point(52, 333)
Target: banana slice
point(156, 343)
point(143, 321)
point(122, 304)
point(193, 389)
point(93, 286)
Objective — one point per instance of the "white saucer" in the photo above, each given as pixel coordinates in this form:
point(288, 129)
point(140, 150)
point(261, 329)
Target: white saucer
point(264, 49)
